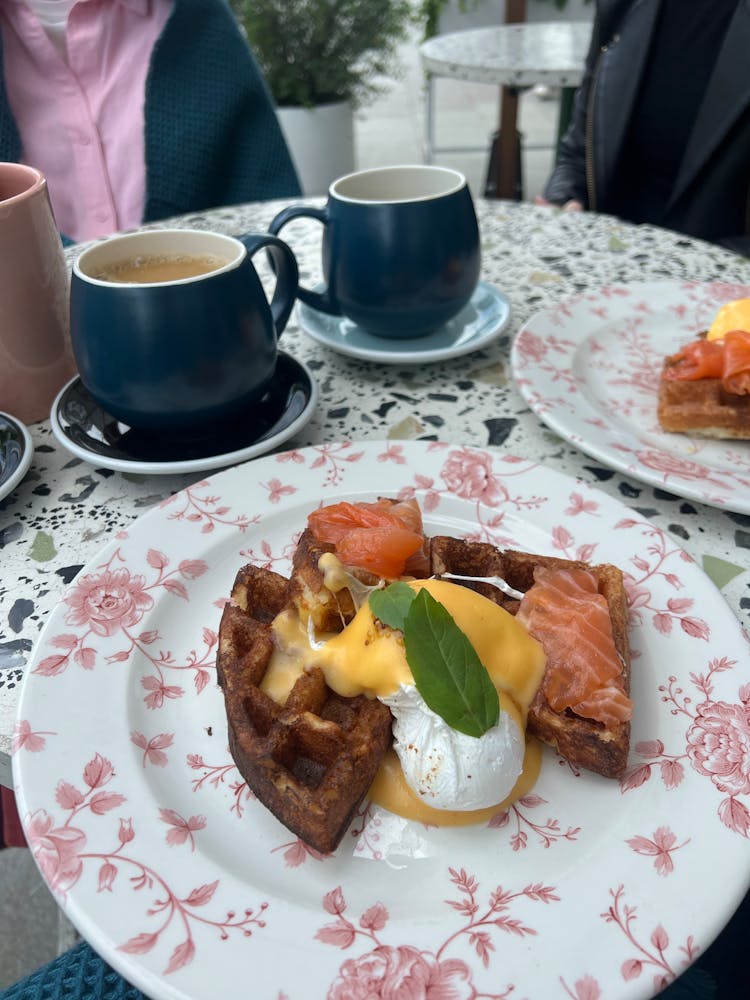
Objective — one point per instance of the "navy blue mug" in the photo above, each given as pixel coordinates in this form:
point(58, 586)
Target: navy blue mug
point(401, 252)
point(172, 329)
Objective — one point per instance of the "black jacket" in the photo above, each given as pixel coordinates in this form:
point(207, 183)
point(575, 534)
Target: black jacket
point(716, 159)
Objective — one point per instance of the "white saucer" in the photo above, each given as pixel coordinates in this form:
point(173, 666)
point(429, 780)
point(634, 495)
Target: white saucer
point(483, 319)
point(16, 452)
point(90, 433)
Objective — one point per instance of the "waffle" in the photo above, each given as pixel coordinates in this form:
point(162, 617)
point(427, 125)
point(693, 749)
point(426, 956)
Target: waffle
point(311, 760)
point(583, 742)
point(702, 408)
point(326, 600)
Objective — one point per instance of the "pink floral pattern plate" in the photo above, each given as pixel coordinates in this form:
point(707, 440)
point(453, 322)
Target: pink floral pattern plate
point(150, 840)
point(589, 368)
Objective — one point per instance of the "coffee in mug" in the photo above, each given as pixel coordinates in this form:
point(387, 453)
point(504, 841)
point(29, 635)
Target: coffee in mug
point(166, 267)
point(401, 251)
point(174, 354)
point(35, 354)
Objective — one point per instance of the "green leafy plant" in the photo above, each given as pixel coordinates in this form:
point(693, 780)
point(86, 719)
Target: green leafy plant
point(318, 51)
point(431, 10)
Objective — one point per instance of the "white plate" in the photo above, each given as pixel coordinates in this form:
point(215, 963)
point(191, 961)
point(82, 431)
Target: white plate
point(191, 889)
point(589, 368)
point(478, 324)
point(16, 453)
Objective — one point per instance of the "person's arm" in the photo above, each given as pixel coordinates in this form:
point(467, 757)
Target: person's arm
point(566, 185)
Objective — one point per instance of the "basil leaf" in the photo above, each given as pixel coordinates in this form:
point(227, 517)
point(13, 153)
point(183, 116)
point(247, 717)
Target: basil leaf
point(447, 671)
point(390, 606)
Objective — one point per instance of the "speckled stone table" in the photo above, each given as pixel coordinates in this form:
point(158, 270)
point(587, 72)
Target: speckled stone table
point(517, 55)
point(65, 509)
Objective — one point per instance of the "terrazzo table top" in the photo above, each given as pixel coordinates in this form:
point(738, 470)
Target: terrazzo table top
point(516, 55)
point(65, 509)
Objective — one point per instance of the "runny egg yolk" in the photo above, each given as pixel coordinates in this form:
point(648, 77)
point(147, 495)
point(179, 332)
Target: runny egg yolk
point(732, 316)
point(369, 658)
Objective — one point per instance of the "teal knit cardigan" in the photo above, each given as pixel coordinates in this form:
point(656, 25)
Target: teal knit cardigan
point(211, 133)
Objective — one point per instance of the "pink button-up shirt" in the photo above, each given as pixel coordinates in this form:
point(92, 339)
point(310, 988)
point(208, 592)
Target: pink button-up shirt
point(81, 119)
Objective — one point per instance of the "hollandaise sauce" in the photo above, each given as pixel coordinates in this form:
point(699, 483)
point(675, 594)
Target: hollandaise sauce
point(390, 791)
point(733, 315)
point(369, 658)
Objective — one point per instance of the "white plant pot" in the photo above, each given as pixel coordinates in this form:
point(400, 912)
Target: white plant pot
point(321, 143)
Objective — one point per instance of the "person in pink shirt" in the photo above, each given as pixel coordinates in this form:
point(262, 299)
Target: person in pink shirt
point(136, 110)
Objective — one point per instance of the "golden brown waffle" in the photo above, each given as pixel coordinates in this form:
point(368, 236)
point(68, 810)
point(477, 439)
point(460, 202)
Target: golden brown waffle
point(311, 760)
point(325, 599)
point(702, 408)
point(583, 742)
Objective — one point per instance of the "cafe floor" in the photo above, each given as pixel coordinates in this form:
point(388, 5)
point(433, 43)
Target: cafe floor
point(390, 130)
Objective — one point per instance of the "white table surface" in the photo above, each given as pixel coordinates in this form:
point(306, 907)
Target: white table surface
point(513, 55)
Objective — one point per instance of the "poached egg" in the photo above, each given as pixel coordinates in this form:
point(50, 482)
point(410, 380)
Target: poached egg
point(440, 775)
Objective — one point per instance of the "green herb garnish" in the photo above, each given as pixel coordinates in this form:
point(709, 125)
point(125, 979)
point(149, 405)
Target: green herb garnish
point(391, 606)
point(447, 672)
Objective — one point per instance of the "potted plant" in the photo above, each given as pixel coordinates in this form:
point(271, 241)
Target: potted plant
point(321, 59)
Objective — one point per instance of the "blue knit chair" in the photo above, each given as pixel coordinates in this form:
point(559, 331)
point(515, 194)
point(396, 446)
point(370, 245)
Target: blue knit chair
point(79, 974)
point(719, 974)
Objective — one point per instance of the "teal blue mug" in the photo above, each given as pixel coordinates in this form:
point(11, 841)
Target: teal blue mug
point(172, 328)
point(400, 252)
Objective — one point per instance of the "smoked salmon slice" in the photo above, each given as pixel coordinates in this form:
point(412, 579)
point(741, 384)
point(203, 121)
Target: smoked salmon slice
point(565, 612)
point(727, 359)
point(383, 537)
point(699, 359)
point(383, 551)
point(331, 523)
point(736, 374)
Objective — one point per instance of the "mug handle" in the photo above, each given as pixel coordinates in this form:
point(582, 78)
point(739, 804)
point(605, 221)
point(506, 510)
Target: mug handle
point(284, 265)
point(323, 300)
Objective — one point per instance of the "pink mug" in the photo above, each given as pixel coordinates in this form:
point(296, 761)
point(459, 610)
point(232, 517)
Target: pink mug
point(35, 353)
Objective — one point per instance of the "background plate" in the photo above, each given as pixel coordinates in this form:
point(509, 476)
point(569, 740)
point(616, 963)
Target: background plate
point(589, 368)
